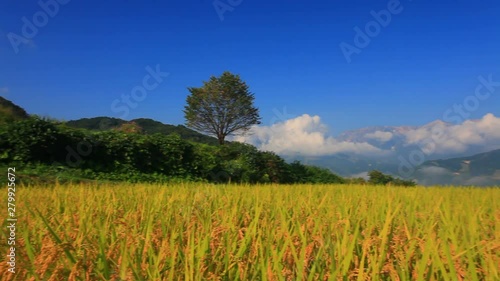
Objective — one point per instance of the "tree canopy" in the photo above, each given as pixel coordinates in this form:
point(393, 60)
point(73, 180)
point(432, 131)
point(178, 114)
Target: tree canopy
point(222, 106)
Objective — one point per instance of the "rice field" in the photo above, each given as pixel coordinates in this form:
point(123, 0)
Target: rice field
point(243, 232)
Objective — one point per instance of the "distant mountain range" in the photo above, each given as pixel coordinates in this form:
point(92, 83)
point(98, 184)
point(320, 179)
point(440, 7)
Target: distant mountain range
point(427, 145)
point(479, 170)
point(391, 139)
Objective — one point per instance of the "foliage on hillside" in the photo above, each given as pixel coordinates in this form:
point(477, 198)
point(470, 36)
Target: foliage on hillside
point(141, 150)
point(378, 178)
point(148, 126)
point(132, 156)
point(10, 112)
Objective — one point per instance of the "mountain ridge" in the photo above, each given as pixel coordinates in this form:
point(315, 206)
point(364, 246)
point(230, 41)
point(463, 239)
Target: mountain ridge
point(148, 125)
point(10, 111)
point(478, 169)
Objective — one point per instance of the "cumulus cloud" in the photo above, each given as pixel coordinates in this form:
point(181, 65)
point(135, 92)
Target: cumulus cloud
point(307, 135)
point(304, 135)
point(440, 137)
point(380, 136)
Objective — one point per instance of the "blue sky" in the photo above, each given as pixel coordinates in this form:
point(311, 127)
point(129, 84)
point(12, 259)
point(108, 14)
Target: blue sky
point(426, 59)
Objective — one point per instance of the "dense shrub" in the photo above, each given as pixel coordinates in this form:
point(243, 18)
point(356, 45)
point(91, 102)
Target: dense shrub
point(127, 154)
point(30, 140)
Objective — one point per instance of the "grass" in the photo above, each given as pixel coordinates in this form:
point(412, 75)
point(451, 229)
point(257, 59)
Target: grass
point(266, 232)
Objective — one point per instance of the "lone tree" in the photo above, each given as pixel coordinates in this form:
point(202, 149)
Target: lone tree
point(222, 106)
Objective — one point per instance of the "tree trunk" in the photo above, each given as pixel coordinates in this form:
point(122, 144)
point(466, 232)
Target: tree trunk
point(221, 139)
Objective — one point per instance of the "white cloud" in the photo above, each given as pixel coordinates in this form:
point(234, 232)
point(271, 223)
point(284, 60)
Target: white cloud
point(435, 175)
point(4, 90)
point(439, 137)
point(380, 136)
point(363, 175)
point(305, 135)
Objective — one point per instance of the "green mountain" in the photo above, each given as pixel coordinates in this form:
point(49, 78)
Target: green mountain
point(148, 126)
point(10, 112)
point(480, 169)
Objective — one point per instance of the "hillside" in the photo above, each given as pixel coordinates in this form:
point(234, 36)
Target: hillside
point(140, 150)
point(148, 126)
point(10, 112)
point(479, 169)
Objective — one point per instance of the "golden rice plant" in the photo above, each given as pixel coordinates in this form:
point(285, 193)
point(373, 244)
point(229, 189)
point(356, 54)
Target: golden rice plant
point(254, 232)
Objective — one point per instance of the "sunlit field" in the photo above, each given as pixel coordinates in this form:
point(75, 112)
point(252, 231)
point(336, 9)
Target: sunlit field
point(266, 232)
